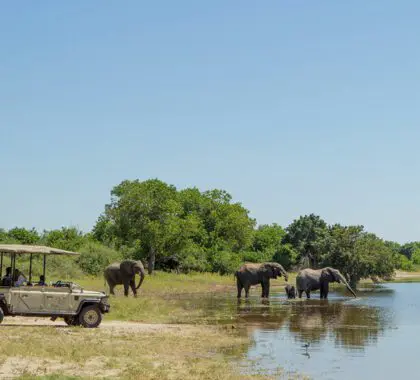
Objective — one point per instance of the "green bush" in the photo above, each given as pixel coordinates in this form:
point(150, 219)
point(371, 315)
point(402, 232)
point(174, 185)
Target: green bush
point(224, 262)
point(286, 256)
point(256, 257)
point(194, 262)
point(415, 257)
point(403, 263)
point(95, 257)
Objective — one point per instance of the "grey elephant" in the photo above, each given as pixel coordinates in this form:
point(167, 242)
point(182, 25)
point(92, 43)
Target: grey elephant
point(290, 291)
point(124, 273)
point(308, 280)
point(253, 274)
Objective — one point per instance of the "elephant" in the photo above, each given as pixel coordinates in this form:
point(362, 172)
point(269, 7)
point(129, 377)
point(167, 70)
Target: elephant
point(253, 274)
point(168, 264)
point(308, 280)
point(124, 273)
point(290, 291)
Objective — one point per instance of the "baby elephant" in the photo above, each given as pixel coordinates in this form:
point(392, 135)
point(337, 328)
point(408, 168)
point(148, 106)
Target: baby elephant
point(290, 291)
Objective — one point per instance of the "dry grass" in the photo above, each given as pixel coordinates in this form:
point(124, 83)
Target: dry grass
point(188, 352)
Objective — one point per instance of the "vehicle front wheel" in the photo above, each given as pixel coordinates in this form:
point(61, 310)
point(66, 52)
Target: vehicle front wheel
point(72, 320)
point(90, 316)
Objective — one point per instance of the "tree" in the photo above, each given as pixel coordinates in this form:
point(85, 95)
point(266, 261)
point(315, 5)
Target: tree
point(408, 249)
point(308, 236)
point(145, 214)
point(68, 238)
point(268, 242)
point(152, 218)
point(268, 238)
point(24, 236)
point(415, 257)
point(358, 254)
point(3, 235)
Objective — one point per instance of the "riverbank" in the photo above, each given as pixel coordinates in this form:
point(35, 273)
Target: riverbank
point(180, 326)
point(172, 298)
point(38, 348)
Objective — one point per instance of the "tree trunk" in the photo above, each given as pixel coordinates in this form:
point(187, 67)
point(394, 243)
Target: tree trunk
point(353, 282)
point(152, 259)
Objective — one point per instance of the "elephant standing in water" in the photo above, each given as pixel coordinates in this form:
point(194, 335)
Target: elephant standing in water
point(290, 291)
point(319, 279)
point(124, 273)
point(253, 274)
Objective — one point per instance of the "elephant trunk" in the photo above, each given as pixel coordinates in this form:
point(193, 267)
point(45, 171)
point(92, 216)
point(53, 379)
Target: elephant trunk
point(141, 274)
point(343, 280)
point(284, 274)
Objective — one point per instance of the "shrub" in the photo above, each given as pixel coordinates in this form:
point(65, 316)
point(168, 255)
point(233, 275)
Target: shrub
point(256, 257)
point(224, 262)
point(286, 256)
point(194, 262)
point(415, 257)
point(95, 257)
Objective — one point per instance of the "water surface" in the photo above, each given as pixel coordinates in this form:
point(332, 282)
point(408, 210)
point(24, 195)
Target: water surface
point(376, 336)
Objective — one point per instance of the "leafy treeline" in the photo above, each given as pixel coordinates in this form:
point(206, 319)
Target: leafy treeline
point(208, 231)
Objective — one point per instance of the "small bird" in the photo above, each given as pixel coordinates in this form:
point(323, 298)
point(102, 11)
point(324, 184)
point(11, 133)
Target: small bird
point(306, 345)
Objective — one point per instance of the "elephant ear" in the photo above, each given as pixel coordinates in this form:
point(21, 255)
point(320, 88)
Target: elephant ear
point(333, 274)
point(126, 267)
point(327, 275)
point(269, 270)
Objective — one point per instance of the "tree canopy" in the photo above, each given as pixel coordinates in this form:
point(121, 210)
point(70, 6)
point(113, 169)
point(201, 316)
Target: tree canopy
point(209, 231)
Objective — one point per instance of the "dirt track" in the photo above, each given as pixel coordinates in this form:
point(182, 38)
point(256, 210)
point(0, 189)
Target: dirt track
point(120, 325)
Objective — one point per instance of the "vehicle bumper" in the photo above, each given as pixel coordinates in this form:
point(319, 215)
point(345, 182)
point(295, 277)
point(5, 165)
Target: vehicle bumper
point(104, 307)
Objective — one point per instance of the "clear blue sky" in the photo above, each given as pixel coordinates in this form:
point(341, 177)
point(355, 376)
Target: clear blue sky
point(294, 107)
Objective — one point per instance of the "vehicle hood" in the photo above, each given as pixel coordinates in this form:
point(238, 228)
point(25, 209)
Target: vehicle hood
point(89, 293)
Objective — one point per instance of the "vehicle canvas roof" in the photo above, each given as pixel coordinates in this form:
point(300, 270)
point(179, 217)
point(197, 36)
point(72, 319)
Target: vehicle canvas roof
point(22, 249)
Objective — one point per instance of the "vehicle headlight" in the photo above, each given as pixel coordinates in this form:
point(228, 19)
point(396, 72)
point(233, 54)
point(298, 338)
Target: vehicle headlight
point(104, 300)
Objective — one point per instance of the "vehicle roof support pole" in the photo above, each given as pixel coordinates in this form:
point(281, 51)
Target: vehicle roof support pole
point(13, 265)
point(30, 269)
point(43, 266)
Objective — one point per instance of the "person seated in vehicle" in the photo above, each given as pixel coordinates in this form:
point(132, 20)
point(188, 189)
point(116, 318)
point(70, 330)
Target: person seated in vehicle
point(7, 279)
point(19, 278)
point(41, 281)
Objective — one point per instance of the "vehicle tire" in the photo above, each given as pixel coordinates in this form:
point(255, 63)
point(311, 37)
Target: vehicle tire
point(72, 320)
point(1, 314)
point(90, 316)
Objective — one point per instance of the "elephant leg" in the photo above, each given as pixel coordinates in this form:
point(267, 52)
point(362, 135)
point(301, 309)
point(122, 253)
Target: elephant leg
point(111, 289)
point(324, 290)
point(239, 286)
point(308, 293)
point(133, 287)
point(247, 286)
point(267, 289)
point(300, 292)
point(126, 285)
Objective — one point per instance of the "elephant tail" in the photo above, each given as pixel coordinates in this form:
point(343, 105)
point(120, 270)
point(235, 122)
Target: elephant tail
point(236, 275)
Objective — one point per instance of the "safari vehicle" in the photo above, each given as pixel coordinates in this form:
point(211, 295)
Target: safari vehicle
point(59, 300)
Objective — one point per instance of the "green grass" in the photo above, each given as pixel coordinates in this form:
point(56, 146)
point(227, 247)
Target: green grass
point(164, 297)
point(172, 298)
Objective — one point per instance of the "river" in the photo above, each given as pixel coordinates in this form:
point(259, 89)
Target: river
point(376, 336)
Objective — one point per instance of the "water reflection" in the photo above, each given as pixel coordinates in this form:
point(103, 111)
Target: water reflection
point(344, 334)
point(352, 325)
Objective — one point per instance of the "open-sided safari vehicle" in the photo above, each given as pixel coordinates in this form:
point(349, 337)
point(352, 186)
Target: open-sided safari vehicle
point(20, 296)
